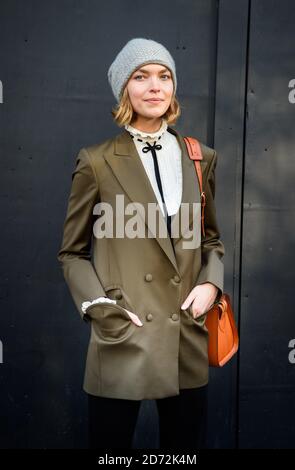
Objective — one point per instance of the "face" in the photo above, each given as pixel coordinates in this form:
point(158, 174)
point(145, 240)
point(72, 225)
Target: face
point(150, 82)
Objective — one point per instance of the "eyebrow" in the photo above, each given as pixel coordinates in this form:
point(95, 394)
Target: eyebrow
point(146, 71)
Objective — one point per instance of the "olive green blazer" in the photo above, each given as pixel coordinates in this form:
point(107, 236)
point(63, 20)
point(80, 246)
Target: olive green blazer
point(149, 276)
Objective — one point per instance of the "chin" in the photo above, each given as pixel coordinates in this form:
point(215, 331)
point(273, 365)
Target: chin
point(158, 114)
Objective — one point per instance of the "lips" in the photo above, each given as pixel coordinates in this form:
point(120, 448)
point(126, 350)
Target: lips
point(154, 101)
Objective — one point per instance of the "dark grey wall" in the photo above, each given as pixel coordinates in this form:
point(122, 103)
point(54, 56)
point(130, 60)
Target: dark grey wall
point(234, 62)
point(267, 321)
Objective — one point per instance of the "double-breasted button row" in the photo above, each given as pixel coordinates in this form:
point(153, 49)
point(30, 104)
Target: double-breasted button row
point(149, 277)
point(174, 316)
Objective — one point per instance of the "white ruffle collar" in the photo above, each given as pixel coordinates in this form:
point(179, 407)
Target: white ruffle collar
point(148, 136)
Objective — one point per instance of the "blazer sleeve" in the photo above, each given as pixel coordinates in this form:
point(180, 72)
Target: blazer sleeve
point(212, 248)
point(75, 252)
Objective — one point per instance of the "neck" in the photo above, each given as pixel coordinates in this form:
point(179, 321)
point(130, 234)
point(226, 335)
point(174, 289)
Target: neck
point(147, 125)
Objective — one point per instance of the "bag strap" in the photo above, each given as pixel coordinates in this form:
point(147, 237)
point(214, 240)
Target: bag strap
point(195, 153)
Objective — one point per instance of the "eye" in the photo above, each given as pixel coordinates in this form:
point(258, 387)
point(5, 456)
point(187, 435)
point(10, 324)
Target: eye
point(166, 75)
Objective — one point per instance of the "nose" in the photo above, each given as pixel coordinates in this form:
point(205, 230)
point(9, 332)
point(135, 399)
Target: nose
point(155, 83)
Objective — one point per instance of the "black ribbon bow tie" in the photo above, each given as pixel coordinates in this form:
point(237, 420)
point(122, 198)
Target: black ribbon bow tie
point(153, 149)
point(149, 147)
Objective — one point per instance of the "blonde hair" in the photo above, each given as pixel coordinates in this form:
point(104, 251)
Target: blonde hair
point(124, 114)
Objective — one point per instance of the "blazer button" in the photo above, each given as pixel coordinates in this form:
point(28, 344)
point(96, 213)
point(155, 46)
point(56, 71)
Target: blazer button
point(149, 316)
point(148, 277)
point(174, 316)
point(118, 296)
point(176, 279)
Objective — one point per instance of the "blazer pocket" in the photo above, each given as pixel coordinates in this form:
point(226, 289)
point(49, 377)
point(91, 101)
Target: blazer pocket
point(110, 321)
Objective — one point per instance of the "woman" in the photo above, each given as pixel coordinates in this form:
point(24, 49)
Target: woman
point(145, 295)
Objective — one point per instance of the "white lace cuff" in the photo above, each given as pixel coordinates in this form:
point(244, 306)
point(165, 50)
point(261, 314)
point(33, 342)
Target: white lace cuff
point(85, 305)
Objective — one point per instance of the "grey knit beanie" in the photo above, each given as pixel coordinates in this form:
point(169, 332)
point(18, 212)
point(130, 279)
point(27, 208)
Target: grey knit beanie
point(136, 52)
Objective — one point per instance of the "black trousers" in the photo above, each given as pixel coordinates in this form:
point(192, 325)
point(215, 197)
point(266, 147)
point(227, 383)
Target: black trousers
point(182, 420)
